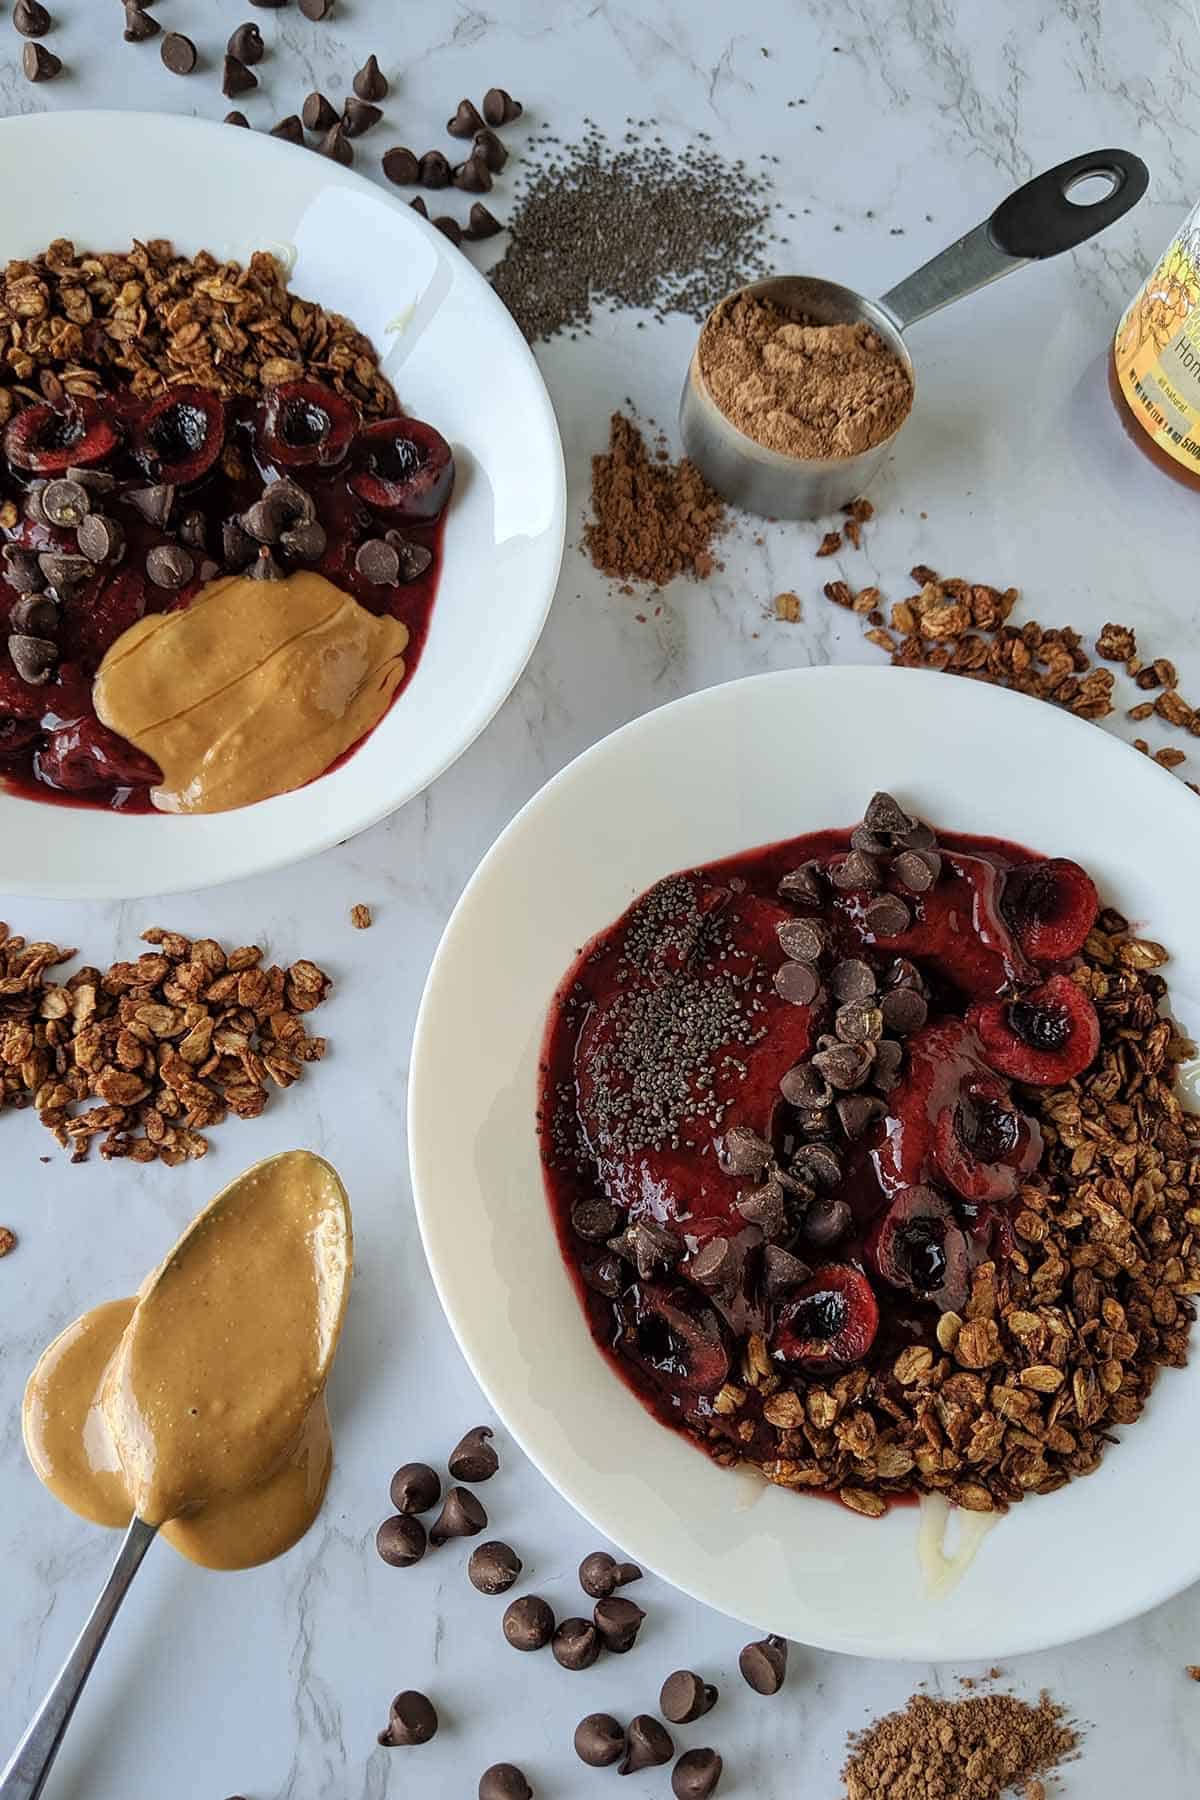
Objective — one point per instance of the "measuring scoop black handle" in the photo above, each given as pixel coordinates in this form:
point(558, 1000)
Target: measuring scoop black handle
point(1040, 220)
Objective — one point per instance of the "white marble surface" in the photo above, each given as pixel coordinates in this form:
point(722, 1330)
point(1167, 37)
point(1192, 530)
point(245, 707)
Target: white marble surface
point(918, 116)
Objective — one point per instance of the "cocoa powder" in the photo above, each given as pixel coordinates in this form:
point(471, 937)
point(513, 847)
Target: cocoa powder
point(804, 389)
point(652, 518)
point(975, 1748)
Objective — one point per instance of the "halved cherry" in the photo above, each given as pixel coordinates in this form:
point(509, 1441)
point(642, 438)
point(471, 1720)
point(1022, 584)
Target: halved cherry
point(403, 467)
point(831, 1320)
point(47, 440)
point(1051, 906)
point(304, 424)
point(180, 435)
point(94, 616)
point(983, 1143)
point(86, 754)
point(673, 1336)
point(1045, 1038)
point(919, 1247)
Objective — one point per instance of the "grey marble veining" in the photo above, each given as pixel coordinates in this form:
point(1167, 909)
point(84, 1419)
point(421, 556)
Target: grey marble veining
point(917, 117)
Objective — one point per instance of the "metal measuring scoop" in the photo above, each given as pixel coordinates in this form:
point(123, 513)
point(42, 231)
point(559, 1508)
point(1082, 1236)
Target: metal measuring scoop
point(1038, 220)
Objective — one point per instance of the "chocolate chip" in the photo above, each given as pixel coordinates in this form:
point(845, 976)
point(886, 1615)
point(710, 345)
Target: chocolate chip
point(917, 870)
point(152, 503)
point(236, 118)
point(576, 1644)
point(858, 1022)
point(528, 1623)
point(818, 1164)
point(236, 78)
point(378, 562)
point(208, 571)
point(797, 983)
point(193, 530)
point(418, 205)
point(648, 1745)
point(857, 872)
point(473, 176)
point(401, 1541)
point(781, 1273)
point(618, 1622)
point(170, 566)
point(414, 558)
point(715, 1266)
point(290, 129)
point(466, 121)
point(317, 113)
point(100, 538)
point(179, 53)
point(462, 1515)
point(31, 19)
point(39, 63)
point(433, 170)
point(858, 1111)
point(307, 541)
point(139, 25)
point(853, 980)
point(246, 43)
point(763, 1206)
point(473, 1458)
point(401, 166)
point(826, 1222)
point(504, 1781)
point(764, 1664)
point(684, 1697)
point(33, 615)
point(844, 1066)
point(65, 503)
point(411, 1720)
point(595, 1219)
point(601, 1574)
point(885, 1071)
point(283, 506)
point(33, 657)
point(370, 83)
point(648, 1246)
point(316, 10)
point(64, 571)
point(22, 570)
point(861, 838)
point(599, 1740)
point(696, 1774)
point(742, 1152)
point(885, 814)
point(904, 1010)
point(805, 1086)
point(804, 940)
point(449, 228)
point(337, 146)
point(493, 1567)
point(887, 917)
point(500, 108)
point(237, 546)
point(804, 885)
point(32, 504)
point(919, 836)
point(359, 116)
point(415, 1488)
point(605, 1277)
point(490, 149)
point(481, 223)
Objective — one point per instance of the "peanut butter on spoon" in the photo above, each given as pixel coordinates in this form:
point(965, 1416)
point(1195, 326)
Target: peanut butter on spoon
point(199, 1406)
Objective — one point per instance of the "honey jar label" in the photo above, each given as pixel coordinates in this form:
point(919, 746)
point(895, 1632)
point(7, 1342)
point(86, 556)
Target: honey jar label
point(1157, 350)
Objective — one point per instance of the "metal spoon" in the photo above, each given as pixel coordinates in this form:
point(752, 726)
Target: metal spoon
point(1038, 220)
point(24, 1774)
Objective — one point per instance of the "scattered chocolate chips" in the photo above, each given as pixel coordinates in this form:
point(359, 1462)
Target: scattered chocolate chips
point(337, 146)
point(246, 43)
point(236, 78)
point(528, 1623)
point(648, 1745)
point(291, 130)
point(853, 980)
point(618, 1622)
point(856, 873)
point(826, 1222)
point(804, 885)
point(576, 1644)
point(370, 83)
point(31, 19)
point(844, 1066)
point(461, 1516)
point(648, 1246)
point(449, 228)
point(797, 983)
point(418, 205)
point(804, 940)
point(858, 1022)
point(904, 1010)
point(858, 1111)
point(684, 1697)
point(466, 121)
point(481, 222)
point(62, 570)
point(359, 116)
point(742, 1152)
point(22, 570)
point(473, 176)
point(33, 658)
point(473, 1458)
point(34, 615)
point(318, 113)
point(499, 108)
point(236, 118)
point(412, 1719)
point(595, 1219)
point(401, 1541)
point(917, 870)
point(415, 1488)
point(152, 503)
point(493, 1567)
point(179, 54)
point(885, 1072)
point(378, 562)
point(40, 64)
point(599, 1740)
point(764, 1664)
point(763, 1206)
point(696, 1774)
point(316, 10)
point(401, 166)
point(715, 1266)
point(100, 538)
point(888, 916)
point(601, 1574)
point(306, 541)
point(818, 1164)
point(782, 1271)
point(504, 1781)
point(139, 24)
point(490, 149)
point(170, 566)
point(65, 503)
point(433, 170)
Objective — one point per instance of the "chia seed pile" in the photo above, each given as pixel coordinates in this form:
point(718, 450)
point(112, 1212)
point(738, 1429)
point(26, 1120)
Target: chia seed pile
point(638, 225)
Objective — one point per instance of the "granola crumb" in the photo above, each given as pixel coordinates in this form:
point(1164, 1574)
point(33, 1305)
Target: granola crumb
point(830, 544)
point(1193, 1671)
point(360, 917)
point(8, 1240)
point(788, 608)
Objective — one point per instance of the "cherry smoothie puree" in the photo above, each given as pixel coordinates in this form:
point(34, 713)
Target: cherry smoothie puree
point(777, 1112)
point(116, 509)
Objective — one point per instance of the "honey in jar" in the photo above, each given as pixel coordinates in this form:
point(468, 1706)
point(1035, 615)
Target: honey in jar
point(1154, 371)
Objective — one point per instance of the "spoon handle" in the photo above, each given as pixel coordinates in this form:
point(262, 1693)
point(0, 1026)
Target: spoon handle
point(24, 1775)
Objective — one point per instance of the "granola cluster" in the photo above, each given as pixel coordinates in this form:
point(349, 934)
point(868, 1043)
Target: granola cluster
point(167, 1046)
point(1026, 1385)
point(148, 318)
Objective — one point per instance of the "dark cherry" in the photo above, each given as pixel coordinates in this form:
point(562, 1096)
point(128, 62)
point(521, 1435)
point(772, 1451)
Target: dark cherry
point(674, 1336)
point(403, 467)
point(48, 440)
point(304, 425)
point(983, 1143)
point(1045, 1038)
point(1051, 907)
point(180, 435)
point(831, 1320)
point(920, 1248)
point(86, 754)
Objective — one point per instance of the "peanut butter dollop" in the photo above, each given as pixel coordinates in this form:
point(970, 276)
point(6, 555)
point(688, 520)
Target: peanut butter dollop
point(252, 690)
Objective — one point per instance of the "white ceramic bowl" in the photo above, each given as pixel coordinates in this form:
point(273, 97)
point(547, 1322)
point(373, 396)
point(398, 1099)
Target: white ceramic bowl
point(456, 358)
point(741, 765)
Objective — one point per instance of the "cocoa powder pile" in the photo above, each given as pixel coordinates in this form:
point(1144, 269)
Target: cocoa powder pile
point(979, 1747)
point(652, 519)
point(816, 391)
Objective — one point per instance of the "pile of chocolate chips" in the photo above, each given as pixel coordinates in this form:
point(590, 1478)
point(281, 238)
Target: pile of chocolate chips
point(529, 1624)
